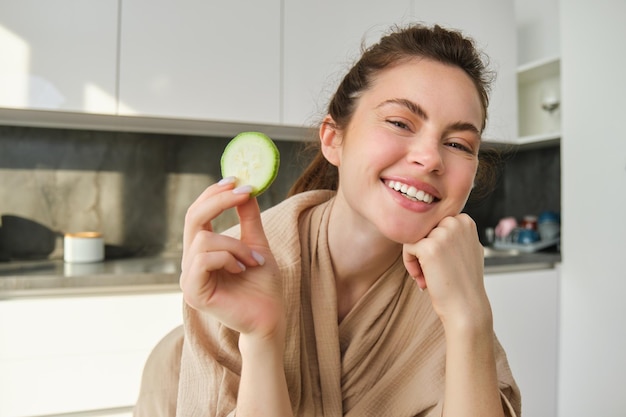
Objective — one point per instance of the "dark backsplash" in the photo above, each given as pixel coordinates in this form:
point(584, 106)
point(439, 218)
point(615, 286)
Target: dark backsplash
point(135, 188)
point(530, 182)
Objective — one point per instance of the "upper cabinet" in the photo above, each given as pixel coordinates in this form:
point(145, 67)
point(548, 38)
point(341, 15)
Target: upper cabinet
point(214, 68)
point(59, 55)
point(198, 59)
point(321, 41)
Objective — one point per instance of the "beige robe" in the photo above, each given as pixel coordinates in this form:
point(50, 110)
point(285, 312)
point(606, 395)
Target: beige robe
point(385, 358)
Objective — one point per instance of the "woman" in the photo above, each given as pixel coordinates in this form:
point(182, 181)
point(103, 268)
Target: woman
point(309, 309)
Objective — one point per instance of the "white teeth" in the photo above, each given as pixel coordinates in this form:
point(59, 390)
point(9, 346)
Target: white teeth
point(411, 192)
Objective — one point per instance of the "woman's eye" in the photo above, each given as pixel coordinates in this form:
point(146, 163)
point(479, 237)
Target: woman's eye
point(398, 123)
point(460, 146)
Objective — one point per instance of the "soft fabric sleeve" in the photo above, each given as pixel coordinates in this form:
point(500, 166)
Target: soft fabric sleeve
point(159, 381)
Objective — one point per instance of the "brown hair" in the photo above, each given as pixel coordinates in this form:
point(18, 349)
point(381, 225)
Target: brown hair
point(400, 45)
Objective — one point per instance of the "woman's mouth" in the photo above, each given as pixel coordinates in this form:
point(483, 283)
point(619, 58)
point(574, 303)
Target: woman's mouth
point(411, 192)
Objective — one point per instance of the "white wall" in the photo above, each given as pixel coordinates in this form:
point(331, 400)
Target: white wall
point(592, 379)
point(538, 26)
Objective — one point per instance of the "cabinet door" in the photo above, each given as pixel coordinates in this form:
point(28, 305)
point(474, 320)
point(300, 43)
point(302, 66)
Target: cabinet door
point(198, 59)
point(59, 55)
point(321, 41)
point(72, 354)
point(525, 311)
point(492, 24)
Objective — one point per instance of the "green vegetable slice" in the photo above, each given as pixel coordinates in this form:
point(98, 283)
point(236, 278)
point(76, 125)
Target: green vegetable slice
point(253, 158)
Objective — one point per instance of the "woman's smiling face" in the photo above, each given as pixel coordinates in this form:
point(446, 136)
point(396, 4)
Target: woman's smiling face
point(409, 156)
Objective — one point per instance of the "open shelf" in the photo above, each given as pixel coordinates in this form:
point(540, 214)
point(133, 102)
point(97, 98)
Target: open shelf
point(538, 70)
point(539, 87)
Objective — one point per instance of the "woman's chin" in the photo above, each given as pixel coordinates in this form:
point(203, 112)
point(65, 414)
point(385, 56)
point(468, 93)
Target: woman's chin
point(408, 234)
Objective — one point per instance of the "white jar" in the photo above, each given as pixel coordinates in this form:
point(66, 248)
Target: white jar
point(83, 247)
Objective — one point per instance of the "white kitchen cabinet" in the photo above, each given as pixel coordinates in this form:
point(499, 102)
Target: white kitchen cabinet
point(525, 307)
point(197, 59)
point(203, 67)
point(59, 55)
point(321, 41)
point(75, 354)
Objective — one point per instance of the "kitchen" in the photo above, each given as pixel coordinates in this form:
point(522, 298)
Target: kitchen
point(151, 162)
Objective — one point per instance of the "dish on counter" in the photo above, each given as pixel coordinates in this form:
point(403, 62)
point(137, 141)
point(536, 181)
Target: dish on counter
point(526, 247)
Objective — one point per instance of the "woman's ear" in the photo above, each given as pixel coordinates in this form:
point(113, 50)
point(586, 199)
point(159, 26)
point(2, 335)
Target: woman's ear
point(330, 139)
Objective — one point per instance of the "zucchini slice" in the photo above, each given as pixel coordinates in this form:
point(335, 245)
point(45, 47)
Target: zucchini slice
point(253, 159)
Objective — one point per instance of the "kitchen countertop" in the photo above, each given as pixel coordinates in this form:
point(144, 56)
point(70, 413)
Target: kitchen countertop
point(496, 262)
point(54, 277)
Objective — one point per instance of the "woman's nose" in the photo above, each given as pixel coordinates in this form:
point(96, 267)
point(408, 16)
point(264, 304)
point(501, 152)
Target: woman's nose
point(427, 153)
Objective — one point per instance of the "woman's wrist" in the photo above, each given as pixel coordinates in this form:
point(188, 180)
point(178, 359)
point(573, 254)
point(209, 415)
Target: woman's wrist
point(262, 360)
point(266, 345)
point(469, 325)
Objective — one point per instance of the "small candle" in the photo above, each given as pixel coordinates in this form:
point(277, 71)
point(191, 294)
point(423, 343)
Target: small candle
point(83, 247)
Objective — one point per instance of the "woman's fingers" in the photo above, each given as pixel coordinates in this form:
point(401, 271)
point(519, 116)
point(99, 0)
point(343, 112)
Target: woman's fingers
point(252, 232)
point(199, 282)
point(413, 267)
point(451, 264)
point(207, 241)
point(233, 279)
point(211, 203)
point(452, 245)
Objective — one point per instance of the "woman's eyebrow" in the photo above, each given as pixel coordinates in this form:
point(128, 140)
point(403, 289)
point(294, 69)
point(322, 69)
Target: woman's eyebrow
point(463, 126)
point(421, 113)
point(411, 106)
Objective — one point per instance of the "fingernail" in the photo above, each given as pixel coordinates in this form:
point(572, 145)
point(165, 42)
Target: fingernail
point(418, 284)
point(244, 189)
point(242, 266)
point(258, 257)
point(226, 180)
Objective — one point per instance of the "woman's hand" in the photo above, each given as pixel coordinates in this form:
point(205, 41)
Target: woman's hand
point(449, 262)
point(235, 280)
